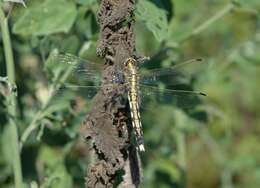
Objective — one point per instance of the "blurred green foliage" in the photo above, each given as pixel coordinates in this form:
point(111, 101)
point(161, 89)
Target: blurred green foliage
point(216, 144)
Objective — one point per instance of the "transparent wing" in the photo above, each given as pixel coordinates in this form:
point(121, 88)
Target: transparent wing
point(149, 95)
point(82, 74)
point(80, 70)
point(79, 98)
point(174, 75)
point(82, 78)
point(86, 92)
point(180, 98)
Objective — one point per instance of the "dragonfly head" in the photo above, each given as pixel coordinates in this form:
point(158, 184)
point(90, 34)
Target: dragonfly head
point(130, 62)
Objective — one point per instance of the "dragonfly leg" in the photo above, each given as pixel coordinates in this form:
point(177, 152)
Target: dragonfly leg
point(140, 58)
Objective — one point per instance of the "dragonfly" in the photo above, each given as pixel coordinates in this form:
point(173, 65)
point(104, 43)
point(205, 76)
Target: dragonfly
point(139, 85)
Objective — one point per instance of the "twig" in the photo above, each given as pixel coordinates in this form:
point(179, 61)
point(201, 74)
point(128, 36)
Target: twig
point(228, 8)
point(11, 99)
point(218, 155)
point(40, 114)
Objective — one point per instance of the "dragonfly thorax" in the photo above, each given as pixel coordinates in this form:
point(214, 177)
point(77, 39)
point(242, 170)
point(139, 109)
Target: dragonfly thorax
point(118, 78)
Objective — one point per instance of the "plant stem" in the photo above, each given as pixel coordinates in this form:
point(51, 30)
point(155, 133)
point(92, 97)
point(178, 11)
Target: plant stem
point(34, 123)
point(181, 154)
point(228, 8)
point(11, 100)
point(37, 117)
point(213, 19)
point(219, 156)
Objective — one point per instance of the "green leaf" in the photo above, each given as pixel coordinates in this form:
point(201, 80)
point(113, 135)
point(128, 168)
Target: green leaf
point(16, 1)
point(54, 69)
point(154, 18)
point(56, 106)
point(255, 4)
point(86, 2)
point(168, 167)
point(34, 185)
point(70, 44)
point(51, 162)
point(46, 18)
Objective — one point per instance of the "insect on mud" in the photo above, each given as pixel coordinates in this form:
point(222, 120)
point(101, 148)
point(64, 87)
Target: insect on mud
point(84, 79)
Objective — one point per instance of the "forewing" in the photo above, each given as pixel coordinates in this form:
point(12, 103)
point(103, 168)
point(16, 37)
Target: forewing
point(181, 73)
point(86, 92)
point(79, 70)
point(79, 97)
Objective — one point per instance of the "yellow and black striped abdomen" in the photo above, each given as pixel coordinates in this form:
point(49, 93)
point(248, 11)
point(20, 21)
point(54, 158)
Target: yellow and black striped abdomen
point(133, 96)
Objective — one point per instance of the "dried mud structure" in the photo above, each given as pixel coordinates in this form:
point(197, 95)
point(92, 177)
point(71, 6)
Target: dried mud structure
point(108, 124)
